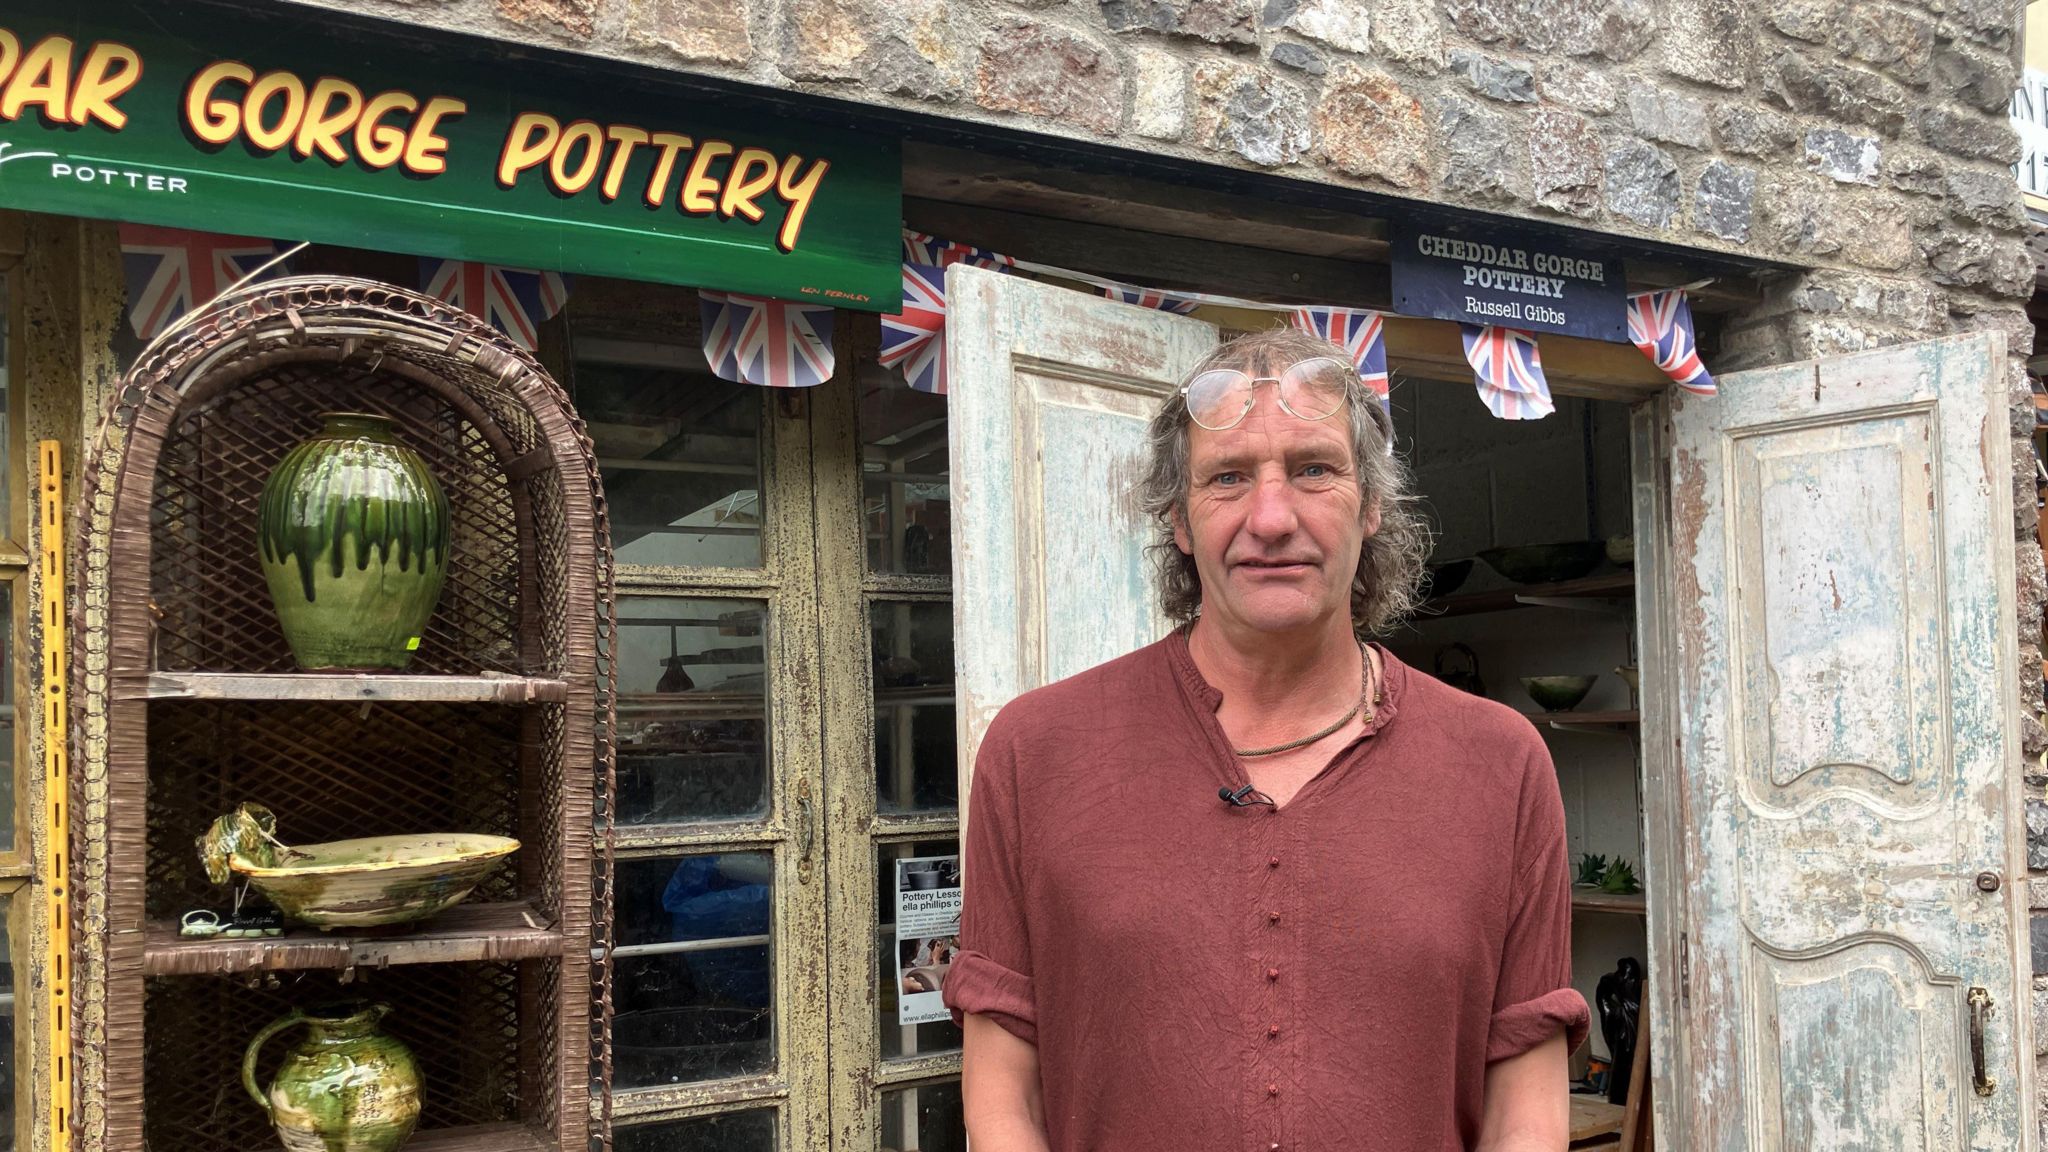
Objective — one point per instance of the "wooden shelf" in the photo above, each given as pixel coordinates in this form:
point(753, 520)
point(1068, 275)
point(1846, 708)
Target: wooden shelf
point(1593, 1117)
point(1612, 584)
point(511, 931)
point(400, 687)
point(480, 1138)
point(1594, 900)
point(1571, 720)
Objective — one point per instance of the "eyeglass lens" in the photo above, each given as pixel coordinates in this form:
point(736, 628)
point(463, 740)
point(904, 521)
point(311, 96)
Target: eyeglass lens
point(1310, 390)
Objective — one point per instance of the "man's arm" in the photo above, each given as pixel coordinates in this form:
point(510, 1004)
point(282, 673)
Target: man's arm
point(1000, 1094)
point(1527, 1101)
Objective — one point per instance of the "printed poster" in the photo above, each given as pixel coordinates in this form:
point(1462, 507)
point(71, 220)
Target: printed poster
point(927, 935)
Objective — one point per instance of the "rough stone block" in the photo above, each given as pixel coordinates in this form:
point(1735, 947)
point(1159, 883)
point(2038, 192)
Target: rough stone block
point(1245, 109)
point(1981, 79)
point(1896, 40)
point(711, 30)
point(2040, 993)
point(1342, 24)
point(1810, 20)
point(1725, 201)
point(1614, 29)
point(1922, 173)
point(2037, 836)
point(1642, 183)
point(1047, 71)
point(1301, 58)
point(1708, 40)
point(1959, 258)
point(1993, 22)
point(1794, 219)
point(1747, 130)
point(575, 18)
point(1565, 162)
point(1961, 132)
point(1493, 78)
point(1367, 125)
point(1843, 157)
point(1987, 197)
point(1410, 32)
point(822, 39)
point(917, 51)
point(1801, 83)
point(1159, 102)
point(1669, 116)
point(1483, 151)
point(1876, 233)
point(1217, 21)
point(2031, 584)
point(2038, 932)
point(1576, 85)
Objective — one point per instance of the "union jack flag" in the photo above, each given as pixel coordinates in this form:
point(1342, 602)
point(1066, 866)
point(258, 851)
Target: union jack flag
point(767, 343)
point(1508, 369)
point(171, 271)
point(512, 300)
point(915, 338)
point(1151, 298)
point(1660, 323)
point(1360, 334)
point(920, 248)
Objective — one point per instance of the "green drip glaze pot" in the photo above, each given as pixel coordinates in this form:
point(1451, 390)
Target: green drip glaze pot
point(347, 1087)
point(354, 533)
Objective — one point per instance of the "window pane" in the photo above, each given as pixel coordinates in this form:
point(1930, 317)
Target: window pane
point(926, 1118)
point(6, 408)
point(680, 451)
point(7, 1017)
point(694, 979)
point(751, 1131)
point(913, 963)
point(7, 706)
point(693, 714)
point(909, 510)
point(915, 749)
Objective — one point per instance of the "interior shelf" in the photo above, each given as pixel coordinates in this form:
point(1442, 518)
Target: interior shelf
point(466, 932)
point(1593, 900)
point(1571, 720)
point(488, 688)
point(1610, 584)
point(1593, 1117)
point(480, 1138)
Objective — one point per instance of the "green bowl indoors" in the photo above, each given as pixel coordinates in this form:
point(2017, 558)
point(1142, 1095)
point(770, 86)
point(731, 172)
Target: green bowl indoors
point(1557, 693)
point(1545, 563)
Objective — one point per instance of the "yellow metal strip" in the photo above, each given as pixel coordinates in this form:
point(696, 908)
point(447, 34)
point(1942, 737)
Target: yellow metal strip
point(56, 787)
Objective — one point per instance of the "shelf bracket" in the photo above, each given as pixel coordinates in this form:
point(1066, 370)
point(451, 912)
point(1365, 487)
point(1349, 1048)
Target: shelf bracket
point(1598, 605)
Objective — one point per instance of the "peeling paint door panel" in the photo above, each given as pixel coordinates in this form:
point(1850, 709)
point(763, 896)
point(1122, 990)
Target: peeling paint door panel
point(1049, 396)
point(1847, 732)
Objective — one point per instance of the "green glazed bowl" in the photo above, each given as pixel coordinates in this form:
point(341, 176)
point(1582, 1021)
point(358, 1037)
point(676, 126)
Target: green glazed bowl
point(1545, 563)
point(1557, 693)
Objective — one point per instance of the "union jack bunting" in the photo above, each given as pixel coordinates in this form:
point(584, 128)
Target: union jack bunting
point(171, 271)
point(512, 300)
point(1660, 323)
point(1508, 369)
point(1359, 333)
point(1151, 298)
point(919, 248)
point(767, 343)
point(915, 338)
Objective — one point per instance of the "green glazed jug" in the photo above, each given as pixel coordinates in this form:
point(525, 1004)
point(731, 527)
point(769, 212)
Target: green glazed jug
point(354, 535)
point(347, 1087)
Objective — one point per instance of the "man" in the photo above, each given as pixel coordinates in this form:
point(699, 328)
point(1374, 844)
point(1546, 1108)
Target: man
point(1258, 886)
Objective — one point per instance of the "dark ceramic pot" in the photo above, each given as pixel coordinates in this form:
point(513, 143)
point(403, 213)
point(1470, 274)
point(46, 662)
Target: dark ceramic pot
point(354, 535)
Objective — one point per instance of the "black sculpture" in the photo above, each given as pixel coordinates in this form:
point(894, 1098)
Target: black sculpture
point(1619, 996)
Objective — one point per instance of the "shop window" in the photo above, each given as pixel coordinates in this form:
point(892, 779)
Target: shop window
point(904, 493)
point(913, 962)
point(693, 710)
point(749, 1131)
point(915, 751)
point(927, 1118)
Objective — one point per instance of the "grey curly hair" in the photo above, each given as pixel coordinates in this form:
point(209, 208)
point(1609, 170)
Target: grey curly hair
point(1385, 589)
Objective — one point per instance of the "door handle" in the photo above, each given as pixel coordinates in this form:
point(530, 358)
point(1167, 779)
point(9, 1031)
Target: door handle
point(806, 832)
point(1980, 1007)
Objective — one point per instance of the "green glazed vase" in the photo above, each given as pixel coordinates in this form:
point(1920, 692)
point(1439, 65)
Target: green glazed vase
point(354, 534)
point(346, 1087)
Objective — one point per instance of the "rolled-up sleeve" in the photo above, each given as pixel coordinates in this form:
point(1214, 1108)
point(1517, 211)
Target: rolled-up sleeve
point(992, 975)
point(1534, 998)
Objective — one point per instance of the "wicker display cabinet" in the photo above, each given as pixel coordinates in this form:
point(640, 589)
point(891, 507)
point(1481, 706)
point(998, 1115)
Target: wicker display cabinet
point(187, 702)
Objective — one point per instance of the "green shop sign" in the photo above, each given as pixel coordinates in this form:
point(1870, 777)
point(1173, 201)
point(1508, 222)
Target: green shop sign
point(271, 124)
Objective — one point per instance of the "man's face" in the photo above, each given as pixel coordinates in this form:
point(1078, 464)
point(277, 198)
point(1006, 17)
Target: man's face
point(1274, 518)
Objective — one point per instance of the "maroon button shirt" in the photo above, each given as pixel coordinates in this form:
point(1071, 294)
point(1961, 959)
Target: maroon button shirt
point(1333, 975)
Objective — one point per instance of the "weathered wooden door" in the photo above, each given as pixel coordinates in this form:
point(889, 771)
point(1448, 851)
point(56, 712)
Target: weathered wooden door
point(1050, 393)
point(1840, 612)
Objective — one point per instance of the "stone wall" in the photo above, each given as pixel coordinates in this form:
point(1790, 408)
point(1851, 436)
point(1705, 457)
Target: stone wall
point(1864, 138)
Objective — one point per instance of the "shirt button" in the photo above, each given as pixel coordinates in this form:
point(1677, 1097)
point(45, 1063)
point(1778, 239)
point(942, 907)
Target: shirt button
point(1272, 917)
point(1272, 973)
point(1273, 1030)
point(1272, 861)
point(1272, 1089)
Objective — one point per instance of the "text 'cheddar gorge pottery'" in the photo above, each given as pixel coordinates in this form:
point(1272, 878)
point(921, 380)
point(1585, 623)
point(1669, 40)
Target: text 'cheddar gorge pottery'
point(371, 882)
point(354, 534)
point(346, 1087)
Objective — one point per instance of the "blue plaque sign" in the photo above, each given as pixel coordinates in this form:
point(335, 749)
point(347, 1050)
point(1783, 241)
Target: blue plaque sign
point(1512, 279)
